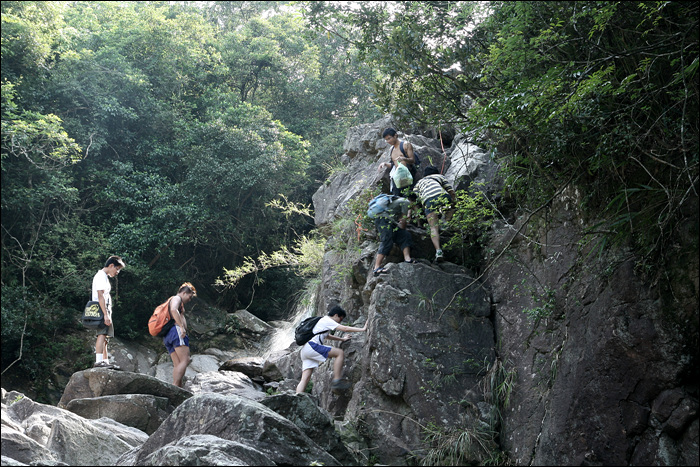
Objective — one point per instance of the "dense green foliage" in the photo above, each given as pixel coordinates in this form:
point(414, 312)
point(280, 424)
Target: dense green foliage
point(171, 133)
point(602, 96)
point(162, 132)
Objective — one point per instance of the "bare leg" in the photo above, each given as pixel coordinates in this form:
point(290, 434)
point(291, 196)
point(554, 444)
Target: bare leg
point(339, 356)
point(305, 378)
point(181, 359)
point(101, 346)
point(378, 261)
point(407, 253)
point(434, 229)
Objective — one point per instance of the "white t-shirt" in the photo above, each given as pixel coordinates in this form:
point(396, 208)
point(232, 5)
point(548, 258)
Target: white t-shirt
point(101, 282)
point(324, 324)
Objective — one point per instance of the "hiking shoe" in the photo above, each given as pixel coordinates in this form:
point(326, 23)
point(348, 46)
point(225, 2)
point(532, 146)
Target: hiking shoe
point(438, 256)
point(103, 364)
point(340, 385)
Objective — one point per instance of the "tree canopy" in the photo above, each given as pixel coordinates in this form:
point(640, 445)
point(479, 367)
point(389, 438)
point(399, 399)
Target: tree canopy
point(598, 95)
point(162, 132)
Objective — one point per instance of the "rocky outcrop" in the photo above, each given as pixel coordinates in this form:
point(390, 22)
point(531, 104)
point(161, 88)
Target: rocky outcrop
point(239, 420)
point(39, 434)
point(98, 382)
point(469, 164)
point(110, 415)
point(584, 361)
point(364, 150)
point(593, 350)
point(225, 382)
point(315, 422)
point(201, 450)
point(142, 411)
point(547, 355)
point(107, 425)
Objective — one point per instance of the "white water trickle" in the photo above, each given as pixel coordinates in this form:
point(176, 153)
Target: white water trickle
point(283, 337)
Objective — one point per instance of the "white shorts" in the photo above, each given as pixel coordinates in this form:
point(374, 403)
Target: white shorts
point(313, 354)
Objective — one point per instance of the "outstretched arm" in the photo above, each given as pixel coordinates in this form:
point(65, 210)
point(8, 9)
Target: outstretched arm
point(351, 329)
point(346, 329)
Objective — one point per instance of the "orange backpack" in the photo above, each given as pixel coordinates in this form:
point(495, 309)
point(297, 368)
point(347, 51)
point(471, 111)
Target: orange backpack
point(161, 322)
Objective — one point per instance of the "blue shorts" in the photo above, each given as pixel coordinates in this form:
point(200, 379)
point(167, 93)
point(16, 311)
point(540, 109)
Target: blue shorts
point(172, 339)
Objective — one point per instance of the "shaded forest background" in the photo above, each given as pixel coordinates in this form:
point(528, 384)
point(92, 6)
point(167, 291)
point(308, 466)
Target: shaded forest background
point(189, 136)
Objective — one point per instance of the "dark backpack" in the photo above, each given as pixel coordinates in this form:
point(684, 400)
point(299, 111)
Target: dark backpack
point(305, 331)
point(416, 159)
point(93, 317)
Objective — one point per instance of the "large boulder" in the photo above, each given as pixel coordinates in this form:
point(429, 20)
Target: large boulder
point(318, 425)
point(143, 411)
point(40, 434)
point(258, 369)
point(471, 164)
point(240, 420)
point(226, 383)
point(250, 323)
point(131, 356)
point(23, 450)
point(103, 382)
point(430, 341)
point(202, 450)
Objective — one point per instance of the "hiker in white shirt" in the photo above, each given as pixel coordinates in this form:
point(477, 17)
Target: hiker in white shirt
point(314, 352)
point(101, 289)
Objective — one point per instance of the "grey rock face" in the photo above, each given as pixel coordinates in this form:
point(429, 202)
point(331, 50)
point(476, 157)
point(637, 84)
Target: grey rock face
point(301, 410)
point(35, 433)
point(599, 366)
point(240, 420)
point(98, 382)
point(598, 361)
point(206, 450)
point(143, 411)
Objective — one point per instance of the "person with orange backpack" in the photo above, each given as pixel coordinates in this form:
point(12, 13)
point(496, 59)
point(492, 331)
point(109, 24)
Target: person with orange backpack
point(169, 321)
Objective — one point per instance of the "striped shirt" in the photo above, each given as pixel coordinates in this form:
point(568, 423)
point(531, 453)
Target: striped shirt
point(431, 186)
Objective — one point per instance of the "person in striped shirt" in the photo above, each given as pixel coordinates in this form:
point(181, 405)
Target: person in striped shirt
point(434, 192)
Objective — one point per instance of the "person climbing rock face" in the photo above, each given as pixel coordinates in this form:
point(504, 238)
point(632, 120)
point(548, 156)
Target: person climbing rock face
point(391, 226)
point(401, 153)
point(435, 192)
point(314, 352)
